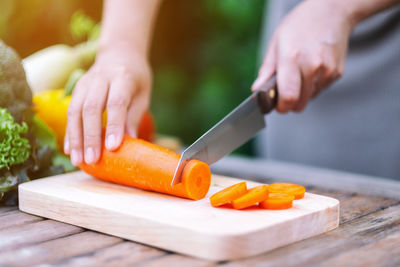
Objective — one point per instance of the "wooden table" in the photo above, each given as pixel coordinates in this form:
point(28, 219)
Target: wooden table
point(369, 232)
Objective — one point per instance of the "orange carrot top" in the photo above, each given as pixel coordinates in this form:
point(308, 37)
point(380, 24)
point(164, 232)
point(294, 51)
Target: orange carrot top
point(144, 165)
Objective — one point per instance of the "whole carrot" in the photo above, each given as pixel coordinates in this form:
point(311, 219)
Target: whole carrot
point(144, 165)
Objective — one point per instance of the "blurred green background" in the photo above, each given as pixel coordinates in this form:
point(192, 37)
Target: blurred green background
point(204, 54)
point(205, 59)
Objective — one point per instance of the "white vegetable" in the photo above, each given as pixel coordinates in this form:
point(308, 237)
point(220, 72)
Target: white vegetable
point(51, 67)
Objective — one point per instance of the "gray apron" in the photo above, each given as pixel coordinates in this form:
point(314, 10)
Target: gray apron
point(354, 125)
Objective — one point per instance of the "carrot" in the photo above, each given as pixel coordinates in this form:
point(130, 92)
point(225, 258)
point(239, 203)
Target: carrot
point(144, 165)
point(292, 189)
point(252, 197)
point(228, 194)
point(277, 201)
point(146, 128)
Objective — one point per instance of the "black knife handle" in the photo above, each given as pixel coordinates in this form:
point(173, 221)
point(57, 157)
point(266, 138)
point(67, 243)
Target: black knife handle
point(267, 95)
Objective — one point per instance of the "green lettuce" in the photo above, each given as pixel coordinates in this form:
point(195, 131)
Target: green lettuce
point(14, 148)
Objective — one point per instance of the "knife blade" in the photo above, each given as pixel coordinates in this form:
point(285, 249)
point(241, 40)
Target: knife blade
point(236, 128)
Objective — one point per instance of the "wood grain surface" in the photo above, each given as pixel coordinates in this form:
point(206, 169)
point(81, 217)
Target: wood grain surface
point(189, 227)
point(373, 222)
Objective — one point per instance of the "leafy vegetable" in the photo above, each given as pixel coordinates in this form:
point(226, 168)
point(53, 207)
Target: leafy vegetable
point(46, 137)
point(82, 26)
point(15, 93)
point(23, 155)
point(14, 149)
point(39, 163)
point(21, 159)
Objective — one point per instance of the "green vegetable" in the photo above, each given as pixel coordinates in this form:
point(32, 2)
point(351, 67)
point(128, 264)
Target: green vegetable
point(23, 159)
point(15, 94)
point(24, 153)
point(14, 149)
point(73, 79)
point(82, 26)
point(46, 137)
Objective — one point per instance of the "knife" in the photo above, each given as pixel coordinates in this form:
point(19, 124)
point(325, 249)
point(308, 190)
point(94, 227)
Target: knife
point(236, 128)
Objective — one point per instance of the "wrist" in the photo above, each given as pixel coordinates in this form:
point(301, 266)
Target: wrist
point(351, 11)
point(123, 46)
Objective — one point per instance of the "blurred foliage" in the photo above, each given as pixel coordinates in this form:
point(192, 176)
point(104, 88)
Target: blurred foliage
point(31, 25)
point(204, 57)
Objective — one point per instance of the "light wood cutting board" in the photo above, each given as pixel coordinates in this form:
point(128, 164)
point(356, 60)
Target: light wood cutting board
point(186, 226)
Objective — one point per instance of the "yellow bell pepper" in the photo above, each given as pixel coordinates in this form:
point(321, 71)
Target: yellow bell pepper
point(51, 107)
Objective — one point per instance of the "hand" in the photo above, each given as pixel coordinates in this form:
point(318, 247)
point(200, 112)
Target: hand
point(120, 80)
point(307, 52)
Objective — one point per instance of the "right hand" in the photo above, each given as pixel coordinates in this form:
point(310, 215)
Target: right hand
point(307, 52)
point(120, 80)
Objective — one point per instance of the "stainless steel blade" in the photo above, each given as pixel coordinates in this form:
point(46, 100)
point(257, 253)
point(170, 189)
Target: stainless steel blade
point(231, 132)
point(239, 126)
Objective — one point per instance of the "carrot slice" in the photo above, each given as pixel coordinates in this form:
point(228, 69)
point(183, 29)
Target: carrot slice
point(277, 201)
point(292, 189)
point(144, 165)
point(252, 197)
point(228, 194)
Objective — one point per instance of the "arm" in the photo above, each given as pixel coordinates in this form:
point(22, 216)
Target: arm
point(127, 22)
point(358, 10)
point(120, 80)
point(308, 49)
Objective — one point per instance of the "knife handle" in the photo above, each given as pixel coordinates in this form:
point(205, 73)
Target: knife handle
point(267, 95)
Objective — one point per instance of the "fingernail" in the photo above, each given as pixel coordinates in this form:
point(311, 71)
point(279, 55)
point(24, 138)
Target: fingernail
point(89, 155)
point(111, 142)
point(256, 83)
point(66, 146)
point(76, 157)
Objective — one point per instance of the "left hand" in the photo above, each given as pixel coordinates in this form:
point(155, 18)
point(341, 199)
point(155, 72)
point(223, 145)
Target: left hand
point(307, 52)
point(120, 80)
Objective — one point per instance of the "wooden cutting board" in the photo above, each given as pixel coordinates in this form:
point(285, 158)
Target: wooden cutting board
point(186, 226)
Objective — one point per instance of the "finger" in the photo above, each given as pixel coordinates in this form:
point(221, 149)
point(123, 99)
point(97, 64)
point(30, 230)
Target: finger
point(93, 107)
point(66, 142)
point(330, 71)
point(268, 67)
point(74, 124)
point(140, 103)
point(289, 84)
point(119, 98)
point(308, 88)
point(310, 67)
point(317, 87)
